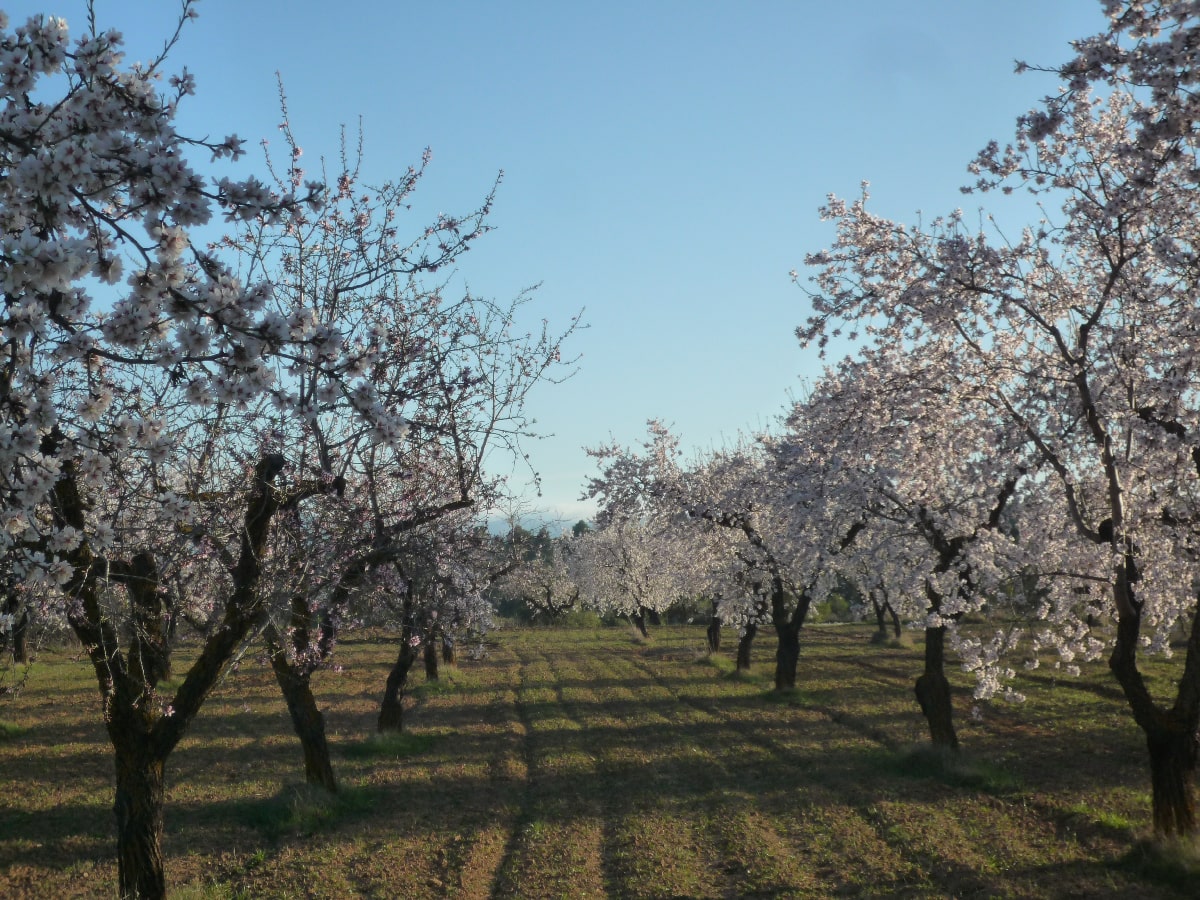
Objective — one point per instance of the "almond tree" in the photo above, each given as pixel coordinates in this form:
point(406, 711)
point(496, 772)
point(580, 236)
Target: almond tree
point(543, 581)
point(1084, 329)
point(454, 371)
point(128, 425)
point(935, 473)
point(438, 585)
point(632, 568)
point(783, 540)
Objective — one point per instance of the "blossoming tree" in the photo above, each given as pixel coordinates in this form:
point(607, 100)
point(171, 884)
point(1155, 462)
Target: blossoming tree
point(133, 366)
point(1086, 323)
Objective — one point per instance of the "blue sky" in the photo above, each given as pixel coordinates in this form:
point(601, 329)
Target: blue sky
point(664, 160)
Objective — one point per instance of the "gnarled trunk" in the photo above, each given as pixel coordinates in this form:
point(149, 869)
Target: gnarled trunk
point(307, 719)
point(1173, 779)
point(933, 691)
point(139, 811)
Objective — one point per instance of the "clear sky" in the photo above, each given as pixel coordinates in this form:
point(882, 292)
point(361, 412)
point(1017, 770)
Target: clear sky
point(664, 160)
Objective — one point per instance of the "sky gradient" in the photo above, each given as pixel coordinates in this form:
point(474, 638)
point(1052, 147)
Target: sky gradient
point(663, 161)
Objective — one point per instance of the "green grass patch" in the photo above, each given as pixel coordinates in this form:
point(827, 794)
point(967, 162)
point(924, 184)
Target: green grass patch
point(955, 768)
point(390, 745)
point(785, 697)
point(304, 809)
point(449, 681)
point(1106, 818)
point(8, 730)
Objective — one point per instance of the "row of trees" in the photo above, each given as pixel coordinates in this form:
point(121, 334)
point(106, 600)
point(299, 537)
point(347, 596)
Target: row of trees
point(1017, 439)
point(266, 438)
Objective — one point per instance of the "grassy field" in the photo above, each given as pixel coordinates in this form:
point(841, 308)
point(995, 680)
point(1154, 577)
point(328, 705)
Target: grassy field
point(583, 763)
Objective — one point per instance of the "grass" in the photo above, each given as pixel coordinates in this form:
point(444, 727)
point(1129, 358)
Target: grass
point(302, 809)
point(390, 745)
point(954, 768)
point(577, 763)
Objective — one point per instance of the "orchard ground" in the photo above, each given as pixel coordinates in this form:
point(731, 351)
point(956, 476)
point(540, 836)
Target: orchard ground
point(585, 763)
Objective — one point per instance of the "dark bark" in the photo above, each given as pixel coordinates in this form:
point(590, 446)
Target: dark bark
point(149, 652)
point(745, 644)
point(391, 710)
point(933, 691)
point(141, 737)
point(880, 623)
point(713, 632)
point(139, 812)
point(449, 650)
point(431, 659)
point(639, 621)
point(1173, 779)
point(884, 615)
point(787, 630)
point(295, 681)
point(787, 657)
point(1171, 734)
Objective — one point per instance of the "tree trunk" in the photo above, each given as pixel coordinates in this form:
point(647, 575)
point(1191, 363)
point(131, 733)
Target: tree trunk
point(881, 631)
point(713, 632)
point(1171, 734)
point(787, 628)
point(20, 638)
point(933, 691)
point(895, 621)
point(787, 656)
point(449, 650)
point(1173, 780)
point(391, 711)
point(639, 622)
point(139, 812)
point(431, 659)
point(307, 720)
point(745, 643)
point(149, 652)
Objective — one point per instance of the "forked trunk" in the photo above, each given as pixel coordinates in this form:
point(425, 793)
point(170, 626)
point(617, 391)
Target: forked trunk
point(745, 644)
point(933, 691)
point(880, 622)
point(787, 628)
point(139, 813)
